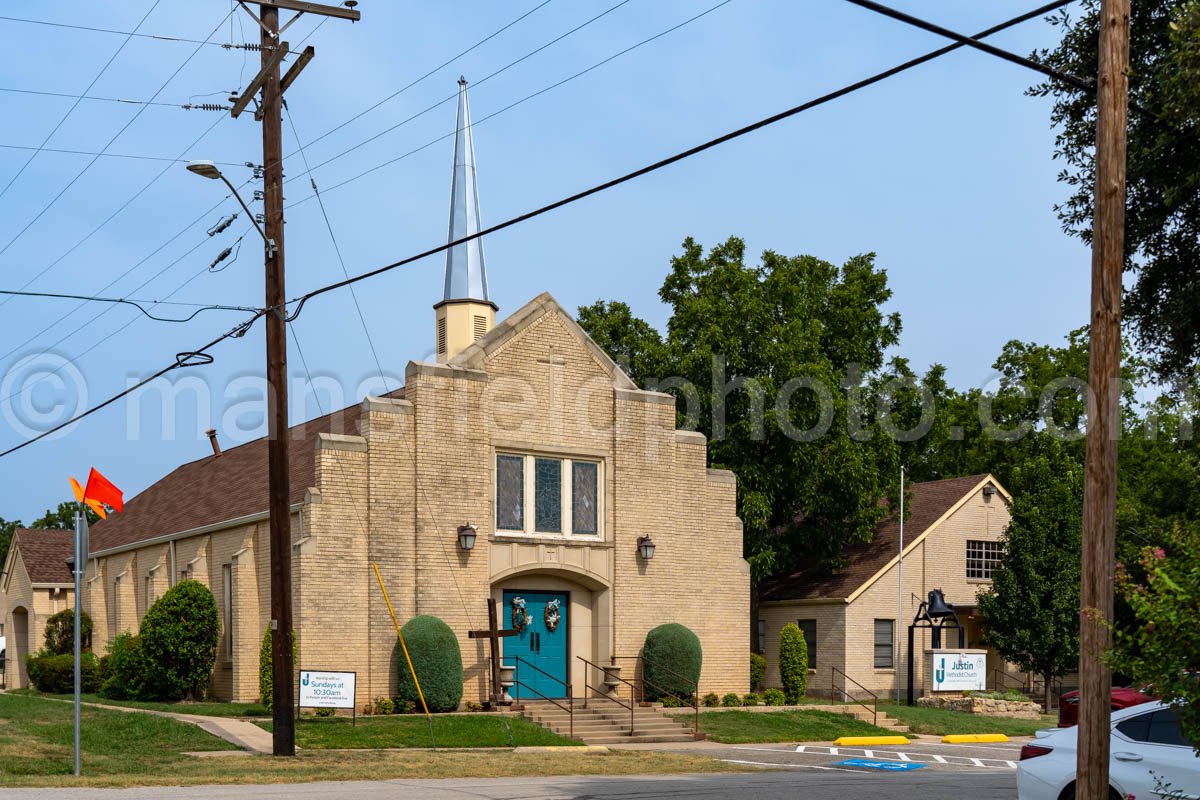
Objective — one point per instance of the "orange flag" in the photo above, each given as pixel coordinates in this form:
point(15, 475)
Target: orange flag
point(100, 489)
point(81, 496)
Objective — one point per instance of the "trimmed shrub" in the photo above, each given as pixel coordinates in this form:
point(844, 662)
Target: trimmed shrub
point(670, 701)
point(793, 663)
point(266, 672)
point(711, 700)
point(758, 668)
point(179, 641)
point(54, 673)
point(437, 661)
point(126, 668)
point(774, 697)
point(671, 661)
point(731, 700)
point(60, 633)
point(751, 699)
point(383, 705)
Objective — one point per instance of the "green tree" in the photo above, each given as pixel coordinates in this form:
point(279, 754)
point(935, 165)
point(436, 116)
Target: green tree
point(1031, 610)
point(1162, 222)
point(1160, 649)
point(59, 635)
point(63, 518)
point(793, 663)
point(179, 636)
point(809, 482)
point(7, 529)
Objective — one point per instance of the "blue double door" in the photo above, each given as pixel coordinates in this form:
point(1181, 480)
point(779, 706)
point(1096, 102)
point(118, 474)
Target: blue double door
point(542, 644)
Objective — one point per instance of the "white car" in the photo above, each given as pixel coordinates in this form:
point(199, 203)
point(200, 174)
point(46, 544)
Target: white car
point(1151, 759)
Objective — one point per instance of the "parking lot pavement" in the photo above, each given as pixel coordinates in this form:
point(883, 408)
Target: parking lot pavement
point(918, 755)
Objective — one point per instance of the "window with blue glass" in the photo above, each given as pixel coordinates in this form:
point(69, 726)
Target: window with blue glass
point(547, 491)
point(584, 484)
point(510, 493)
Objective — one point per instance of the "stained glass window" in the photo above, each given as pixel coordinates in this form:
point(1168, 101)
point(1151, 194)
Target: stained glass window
point(547, 490)
point(510, 493)
point(584, 475)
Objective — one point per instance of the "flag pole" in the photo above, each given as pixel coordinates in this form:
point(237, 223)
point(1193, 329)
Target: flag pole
point(80, 546)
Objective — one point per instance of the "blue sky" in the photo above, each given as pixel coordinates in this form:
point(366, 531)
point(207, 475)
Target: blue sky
point(945, 172)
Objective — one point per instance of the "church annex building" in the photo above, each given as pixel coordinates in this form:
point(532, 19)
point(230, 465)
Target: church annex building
point(524, 430)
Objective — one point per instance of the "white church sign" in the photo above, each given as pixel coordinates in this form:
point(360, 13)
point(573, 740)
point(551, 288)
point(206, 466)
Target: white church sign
point(327, 689)
point(958, 671)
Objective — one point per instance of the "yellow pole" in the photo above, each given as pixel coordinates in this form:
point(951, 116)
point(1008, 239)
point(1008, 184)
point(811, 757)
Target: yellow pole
point(400, 636)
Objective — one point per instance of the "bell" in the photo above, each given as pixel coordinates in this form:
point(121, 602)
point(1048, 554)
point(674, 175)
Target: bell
point(937, 605)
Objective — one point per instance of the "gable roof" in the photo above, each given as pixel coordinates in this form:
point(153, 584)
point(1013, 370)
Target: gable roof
point(219, 488)
point(927, 505)
point(45, 553)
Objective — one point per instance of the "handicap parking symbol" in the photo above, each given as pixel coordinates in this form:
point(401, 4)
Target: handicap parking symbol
point(887, 766)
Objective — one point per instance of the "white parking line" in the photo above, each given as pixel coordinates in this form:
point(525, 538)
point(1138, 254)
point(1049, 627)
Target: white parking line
point(790, 766)
point(904, 756)
point(939, 759)
point(950, 759)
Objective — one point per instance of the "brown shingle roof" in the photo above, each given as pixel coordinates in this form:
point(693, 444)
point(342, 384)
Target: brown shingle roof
point(45, 554)
point(219, 488)
point(926, 504)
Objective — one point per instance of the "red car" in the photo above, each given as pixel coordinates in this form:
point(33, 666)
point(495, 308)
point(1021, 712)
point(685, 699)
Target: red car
point(1122, 697)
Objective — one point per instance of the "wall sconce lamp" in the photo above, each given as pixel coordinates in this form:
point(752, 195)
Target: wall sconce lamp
point(645, 546)
point(466, 536)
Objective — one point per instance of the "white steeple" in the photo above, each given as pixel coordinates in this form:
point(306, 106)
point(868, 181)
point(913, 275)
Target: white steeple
point(466, 313)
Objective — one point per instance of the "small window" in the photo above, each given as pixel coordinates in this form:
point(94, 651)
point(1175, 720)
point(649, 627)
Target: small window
point(584, 479)
point(884, 645)
point(982, 559)
point(149, 592)
point(510, 493)
point(809, 628)
point(762, 636)
point(227, 575)
point(547, 490)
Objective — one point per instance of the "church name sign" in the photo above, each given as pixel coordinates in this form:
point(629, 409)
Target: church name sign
point(959, 672)
point(327, 689)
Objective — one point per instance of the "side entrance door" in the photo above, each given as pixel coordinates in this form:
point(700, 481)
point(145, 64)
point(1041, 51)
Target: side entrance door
point(541, 645)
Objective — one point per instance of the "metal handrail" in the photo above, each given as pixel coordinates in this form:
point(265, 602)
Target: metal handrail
point(694, 705)
point(569, 708)
point(873, 708)
point(632, 689)
point(1000, 676)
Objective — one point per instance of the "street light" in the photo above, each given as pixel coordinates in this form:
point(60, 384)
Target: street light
point(207, 169)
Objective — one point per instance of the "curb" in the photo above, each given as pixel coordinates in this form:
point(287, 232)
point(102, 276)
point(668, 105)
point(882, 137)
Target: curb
point(974, 738)
point(869, 741)
point(587, 748)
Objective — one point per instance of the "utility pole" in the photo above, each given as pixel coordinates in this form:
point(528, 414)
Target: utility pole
point(270, 110)
point(1104, 373)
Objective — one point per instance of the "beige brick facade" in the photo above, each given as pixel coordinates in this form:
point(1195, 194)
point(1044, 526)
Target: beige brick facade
point(393, 489)
point(26, 606)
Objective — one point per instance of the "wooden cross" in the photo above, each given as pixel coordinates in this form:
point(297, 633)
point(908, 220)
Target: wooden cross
point(493, 634)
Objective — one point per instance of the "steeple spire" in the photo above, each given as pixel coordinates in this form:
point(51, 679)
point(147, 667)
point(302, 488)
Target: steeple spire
point(465, 313)
point(466, 277)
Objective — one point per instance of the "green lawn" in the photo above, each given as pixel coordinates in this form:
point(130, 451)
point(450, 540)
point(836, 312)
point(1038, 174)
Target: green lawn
point(939, 722)
point(739, 727)
point(37, 737)
point(412, 730)
point(214, 709)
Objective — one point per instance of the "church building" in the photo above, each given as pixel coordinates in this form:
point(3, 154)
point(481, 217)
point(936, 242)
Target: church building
point(522, 466)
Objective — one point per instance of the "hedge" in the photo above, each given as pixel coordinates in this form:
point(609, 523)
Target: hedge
point(437, 660)
point(60, 632)
point(266, 669)
point(758, 668)
point(793, 663)
point(54, 673)
point(671, 660)
point(179, 641)
point(126, 668)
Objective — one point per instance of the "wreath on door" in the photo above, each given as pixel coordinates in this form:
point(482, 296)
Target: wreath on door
point(551, 615)
point(520, 615)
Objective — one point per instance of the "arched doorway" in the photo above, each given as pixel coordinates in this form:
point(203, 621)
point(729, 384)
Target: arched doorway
point(18, 646)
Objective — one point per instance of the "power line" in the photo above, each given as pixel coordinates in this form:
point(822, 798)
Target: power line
point(513, 105)
point(108, 155)
point(117, 135)
point(88, 97)
point(138, 304)
point(431, 72)
point(134, 33)
point(444, 100)
point(762, 123)
point(75, 105)
point(700, 148)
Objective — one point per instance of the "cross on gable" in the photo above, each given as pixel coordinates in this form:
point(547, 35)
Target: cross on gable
point(551, 361)
point(493, 634)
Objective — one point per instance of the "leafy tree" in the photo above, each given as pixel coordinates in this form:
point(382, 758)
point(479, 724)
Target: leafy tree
point(179, 636)
point(1161, 649)
point(60, 632)
point(63, 518)
point(793, 663)
point(1031, 611)
point(808, 483)
point(1162, 222)
point(7, 529)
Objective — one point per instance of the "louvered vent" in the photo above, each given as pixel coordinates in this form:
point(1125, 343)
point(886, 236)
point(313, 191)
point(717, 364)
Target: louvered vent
point(441, 336)
point(480, 327)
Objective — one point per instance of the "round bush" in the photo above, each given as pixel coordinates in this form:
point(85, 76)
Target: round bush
point(437, 660)
point(55, 673)
point(671, 660)
point(773, 697)
point(711, 700)
point(758, 668)
point(751, 699)
point(60, 632)
point(793, 663)
point(731, 700)
point(179, 641)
